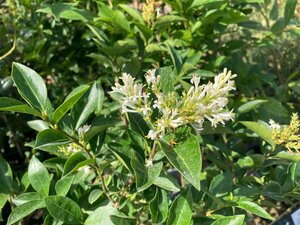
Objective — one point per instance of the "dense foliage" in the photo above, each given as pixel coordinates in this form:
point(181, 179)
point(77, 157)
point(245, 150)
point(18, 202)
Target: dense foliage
point(132, 118)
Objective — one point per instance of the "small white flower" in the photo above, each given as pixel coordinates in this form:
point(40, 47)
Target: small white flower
point(152, 134)
point(274, 125)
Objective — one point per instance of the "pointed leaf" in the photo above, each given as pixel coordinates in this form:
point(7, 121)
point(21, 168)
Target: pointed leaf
point(13, 105)
point(31, 86)
point(63, 185)
point(38, 176)
point(181, 209)
point(27, 197)
point(261, 130)
point(86, 106)
point(24, 210)
point(76, 161)
point(6, 177)
point(251, 105)
point(153, 173)
point(254, 208)
point(186, 157)
point(98, 125)
point(159, 207)
point(64, 209)
point(230, 220)
point(71, 99)
point(289, 10)
point(50, 137)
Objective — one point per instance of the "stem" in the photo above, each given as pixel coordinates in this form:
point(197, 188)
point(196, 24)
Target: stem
point(152, 153)
point(12, 48)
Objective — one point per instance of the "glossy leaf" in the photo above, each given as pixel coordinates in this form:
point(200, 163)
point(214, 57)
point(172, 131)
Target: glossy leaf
point(221, 184)
point(50, 137)
point(186, 157)
point(71, 99)
point(159, 207)
point(38, 125)
point(13, 105)
point(138, 124)
point(64, 209)
point(251, 105)
point(181, 209)
point(230, 220)
point(27, 197)
point(101, 216)
point(24, 210)
point(254, 208)
point(31, 86)
point(6, 177)
point(168, 183)
point(152, 174)
point(86, 106)
point(76, 161)
point(98, 125)
point(63, 185)
point(261, 130)
point(94, 195)
point(38, 176)
point(289, 10)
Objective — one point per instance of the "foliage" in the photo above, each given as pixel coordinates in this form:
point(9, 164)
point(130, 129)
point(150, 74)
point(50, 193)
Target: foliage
point(101, 154)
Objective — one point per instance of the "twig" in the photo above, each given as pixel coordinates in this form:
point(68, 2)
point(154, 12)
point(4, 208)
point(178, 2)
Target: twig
point(12, 48)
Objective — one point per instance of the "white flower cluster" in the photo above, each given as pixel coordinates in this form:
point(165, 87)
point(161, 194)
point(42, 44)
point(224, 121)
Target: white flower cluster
point(200, 102)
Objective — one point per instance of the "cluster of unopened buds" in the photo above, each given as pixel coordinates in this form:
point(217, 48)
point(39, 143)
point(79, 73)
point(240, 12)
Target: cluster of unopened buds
point(200, 102)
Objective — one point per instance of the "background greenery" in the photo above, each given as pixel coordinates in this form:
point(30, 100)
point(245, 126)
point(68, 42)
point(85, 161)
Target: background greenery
point(92, 42)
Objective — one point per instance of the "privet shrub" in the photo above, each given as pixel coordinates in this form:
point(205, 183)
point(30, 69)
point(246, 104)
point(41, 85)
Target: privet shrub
point(156, 163)
point(158, 148)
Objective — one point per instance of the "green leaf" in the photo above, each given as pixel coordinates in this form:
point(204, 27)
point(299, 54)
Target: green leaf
point(30, 86)
point(38, 125)
point(166, 21)
point(27, 197)
point(289, 10)
point(64, 209)
point(98, 125)
point(295, 172)
point(71, 99)
point(67, 11)
point(295, 157)
point(168, 183)
point(13, 105)
point(102, 216)
point(138, 124)
point(63, 185)
point(3, 200)
point(6, 177)
point(254, 208)
point(261, 130)
point(50, 137)
point(186, 157)
point(221, 184)
point(159, 207)
point(140, 172)
point(24, 210)
point(133, 13)
point(76, 161)
point(94, 195)
point(181, 209)
point(251, 105)
point(152, 175)
point(230, 220)
point(167, 79)
point(38, 176)
point(86, 106)
point(176, 58)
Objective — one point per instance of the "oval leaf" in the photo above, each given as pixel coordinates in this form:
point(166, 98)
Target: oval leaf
point(181, 209)
point(159, 207)
point(21, 211)
point(71, 99)
point(13, 105)
point(30, 85)
point(6, 177)
point(230, 220)
point(50, 137)
point(251, 105)
point(76, 161)
point(64, 209)
point(261, 130)
point(38, 176)
point(63, 185)
point(254, 208)
point(186, 157)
